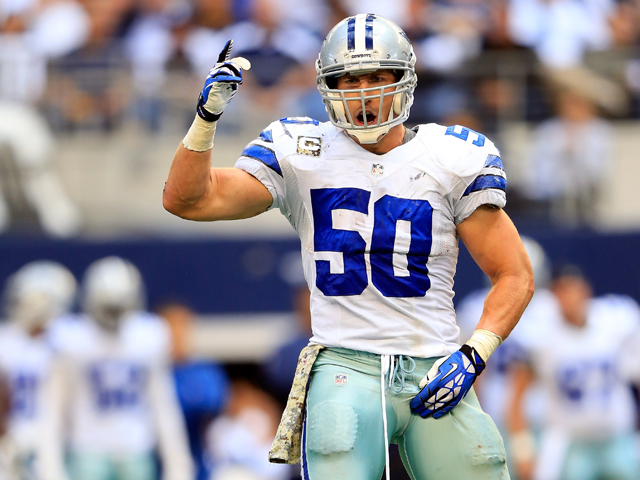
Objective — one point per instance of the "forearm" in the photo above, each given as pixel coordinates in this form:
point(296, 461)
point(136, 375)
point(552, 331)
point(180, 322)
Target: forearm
point(505, 303)
point(190, 182)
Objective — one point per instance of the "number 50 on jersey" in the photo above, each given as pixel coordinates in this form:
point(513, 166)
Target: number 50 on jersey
point(389, 212)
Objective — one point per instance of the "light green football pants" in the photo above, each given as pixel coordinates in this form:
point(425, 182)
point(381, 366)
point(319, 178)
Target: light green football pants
point(88, 466)
point(343, 427)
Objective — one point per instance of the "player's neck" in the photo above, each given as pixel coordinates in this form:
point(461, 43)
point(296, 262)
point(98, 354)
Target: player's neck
point(390, 141)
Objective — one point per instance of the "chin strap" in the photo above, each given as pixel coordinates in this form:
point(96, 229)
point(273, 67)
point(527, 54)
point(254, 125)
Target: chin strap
point(371, 135)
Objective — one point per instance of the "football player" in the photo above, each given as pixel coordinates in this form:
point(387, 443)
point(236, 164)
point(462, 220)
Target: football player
point(379, 209)
point(114, 388)
point(34, 296)
point(590, 418)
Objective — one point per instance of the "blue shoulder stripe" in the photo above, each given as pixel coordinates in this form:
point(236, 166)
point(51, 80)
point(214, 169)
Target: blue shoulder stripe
point(484, 182)
point(263, 154)
point(494, 161)
point(299, 121)
point(267, 136)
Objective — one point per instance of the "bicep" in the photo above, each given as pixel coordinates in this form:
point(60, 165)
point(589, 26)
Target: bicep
point(235, 194)
point(493, 242)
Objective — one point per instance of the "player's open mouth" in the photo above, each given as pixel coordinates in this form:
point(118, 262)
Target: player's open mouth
point(371, 119)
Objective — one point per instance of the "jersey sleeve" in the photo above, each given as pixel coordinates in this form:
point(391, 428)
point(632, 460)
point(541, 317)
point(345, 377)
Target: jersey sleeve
point(488, 187)
point(261, 159)
point(474, 161)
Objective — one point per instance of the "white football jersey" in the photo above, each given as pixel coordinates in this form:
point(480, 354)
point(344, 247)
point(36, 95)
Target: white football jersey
point(378, 232)
point(26, 361)
point(108, 380)
point(580, 370)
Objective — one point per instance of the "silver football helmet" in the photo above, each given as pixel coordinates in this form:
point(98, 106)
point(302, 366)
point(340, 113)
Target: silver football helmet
point(358, 45)
point(39, 292)
point(112, 287)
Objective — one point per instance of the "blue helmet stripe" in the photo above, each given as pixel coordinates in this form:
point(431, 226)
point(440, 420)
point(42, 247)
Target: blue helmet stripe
point(368, 31)
point(484, 182)
point(263, 154)
point(351, 34)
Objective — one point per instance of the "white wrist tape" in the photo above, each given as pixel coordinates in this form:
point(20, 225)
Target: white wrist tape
point(199, 138)
point(485, 342)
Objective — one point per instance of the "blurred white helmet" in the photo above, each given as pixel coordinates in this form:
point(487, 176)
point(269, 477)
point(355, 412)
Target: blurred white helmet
point(539, 262)
point(361, 44)
point(112, 287)
point(39, 292)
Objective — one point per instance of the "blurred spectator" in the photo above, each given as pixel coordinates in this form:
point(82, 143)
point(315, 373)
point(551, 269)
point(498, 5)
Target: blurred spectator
point(202, 386)
point(149, 46)
point(561, 31)
point(89, 91)
point(30, 35)
point(626, 31)
point(28, 181)
point(27, 39)
point(590, 417)
point(239, 440)
point(34, 296)
point(571, 153)
point(280, 368)
point(114, 389)
point(455, 32)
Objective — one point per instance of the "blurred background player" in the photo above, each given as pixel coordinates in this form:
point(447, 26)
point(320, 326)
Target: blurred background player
point(35, 295)
point(202, 385)
point(239, 440)
point(115, 400)
point(590, 417)
point(494, 385)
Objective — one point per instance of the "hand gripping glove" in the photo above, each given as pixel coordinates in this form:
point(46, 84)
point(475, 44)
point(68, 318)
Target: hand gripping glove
point(447, 382)
point(221, 84)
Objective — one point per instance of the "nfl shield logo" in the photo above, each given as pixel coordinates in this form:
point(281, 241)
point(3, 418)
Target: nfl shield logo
point(341, 379)
point(377, 169)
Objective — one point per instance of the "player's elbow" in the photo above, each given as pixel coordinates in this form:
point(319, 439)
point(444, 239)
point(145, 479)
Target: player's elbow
point(178, 207)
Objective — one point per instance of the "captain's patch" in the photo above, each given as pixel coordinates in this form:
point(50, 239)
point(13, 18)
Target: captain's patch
point(309, 146)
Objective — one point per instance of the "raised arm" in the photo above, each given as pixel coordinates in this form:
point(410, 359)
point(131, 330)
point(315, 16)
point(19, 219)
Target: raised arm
point(194, 190)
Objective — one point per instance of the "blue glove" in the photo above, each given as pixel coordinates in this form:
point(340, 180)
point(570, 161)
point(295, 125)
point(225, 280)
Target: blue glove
point(221, 84)
point(447, 382)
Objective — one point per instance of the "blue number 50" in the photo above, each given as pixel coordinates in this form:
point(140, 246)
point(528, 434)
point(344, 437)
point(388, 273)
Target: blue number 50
point(387, 211)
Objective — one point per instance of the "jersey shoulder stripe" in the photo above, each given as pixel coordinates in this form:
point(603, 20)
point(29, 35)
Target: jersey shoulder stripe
point(484, 182)
point(494, 161)
point(266, 135)
point(263, 154)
